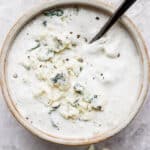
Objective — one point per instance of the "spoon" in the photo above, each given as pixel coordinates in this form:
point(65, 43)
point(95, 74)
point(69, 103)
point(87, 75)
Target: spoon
point(119, 12)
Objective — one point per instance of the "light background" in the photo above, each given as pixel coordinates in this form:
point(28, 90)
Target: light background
point(14, 137)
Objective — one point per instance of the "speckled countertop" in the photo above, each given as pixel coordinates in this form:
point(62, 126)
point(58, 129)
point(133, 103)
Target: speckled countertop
point(14, 137)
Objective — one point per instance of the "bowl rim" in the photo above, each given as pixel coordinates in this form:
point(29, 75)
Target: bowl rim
point(132, 29)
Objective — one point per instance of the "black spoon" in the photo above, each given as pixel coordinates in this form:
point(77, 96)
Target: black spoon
point(119, 12)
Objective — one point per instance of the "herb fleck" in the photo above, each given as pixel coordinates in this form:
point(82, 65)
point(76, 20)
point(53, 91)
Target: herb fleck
point(77, 8)
point(45, 44)
point(44, 23)
point(54, 124)
point(118, 55)
point(78, 88)
point(95, 96)
point(54, 12)
point(55, 67)
point(37, 46)
point(98, 108)
point(81, 68)
point(78, 36)
point(63, 18)
point(53, 109)
point(85, 39)
point(58, 42)
point(80, 60)
point(37, 41)
point(59, 76)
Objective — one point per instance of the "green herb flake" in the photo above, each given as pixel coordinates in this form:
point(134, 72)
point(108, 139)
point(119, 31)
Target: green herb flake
point(59, 76)
point(37, 46)
point(54, 124)
point(77, 9)
point(81, 68)
point(53, 109)
point(75, 103)
point(74, 45)
point(63, 18)
point(54, 12)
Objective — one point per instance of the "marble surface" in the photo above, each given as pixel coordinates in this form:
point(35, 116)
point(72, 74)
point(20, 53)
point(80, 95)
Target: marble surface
point(14, 137)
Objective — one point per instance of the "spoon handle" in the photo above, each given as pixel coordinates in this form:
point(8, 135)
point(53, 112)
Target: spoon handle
point(120, 11)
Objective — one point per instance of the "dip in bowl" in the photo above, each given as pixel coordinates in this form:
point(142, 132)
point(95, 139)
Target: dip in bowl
point(65, 90)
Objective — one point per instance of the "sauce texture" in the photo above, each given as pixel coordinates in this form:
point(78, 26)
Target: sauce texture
point(66, 87)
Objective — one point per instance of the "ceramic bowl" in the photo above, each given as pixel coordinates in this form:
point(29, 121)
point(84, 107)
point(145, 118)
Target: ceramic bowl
point(137, 39)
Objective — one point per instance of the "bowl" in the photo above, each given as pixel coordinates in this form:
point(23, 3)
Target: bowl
point(134, 33)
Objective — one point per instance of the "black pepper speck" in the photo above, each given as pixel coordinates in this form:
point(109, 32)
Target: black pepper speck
point(97, 18)
point(44, 23)
point(27, 118)
point(93, 78)
point(85, 39)
point(78, 36)
point(118, 55)
point(15, 76)
point(67, 59)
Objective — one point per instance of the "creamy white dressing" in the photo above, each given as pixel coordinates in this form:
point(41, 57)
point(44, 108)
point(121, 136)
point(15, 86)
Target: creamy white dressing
point(62, 85)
